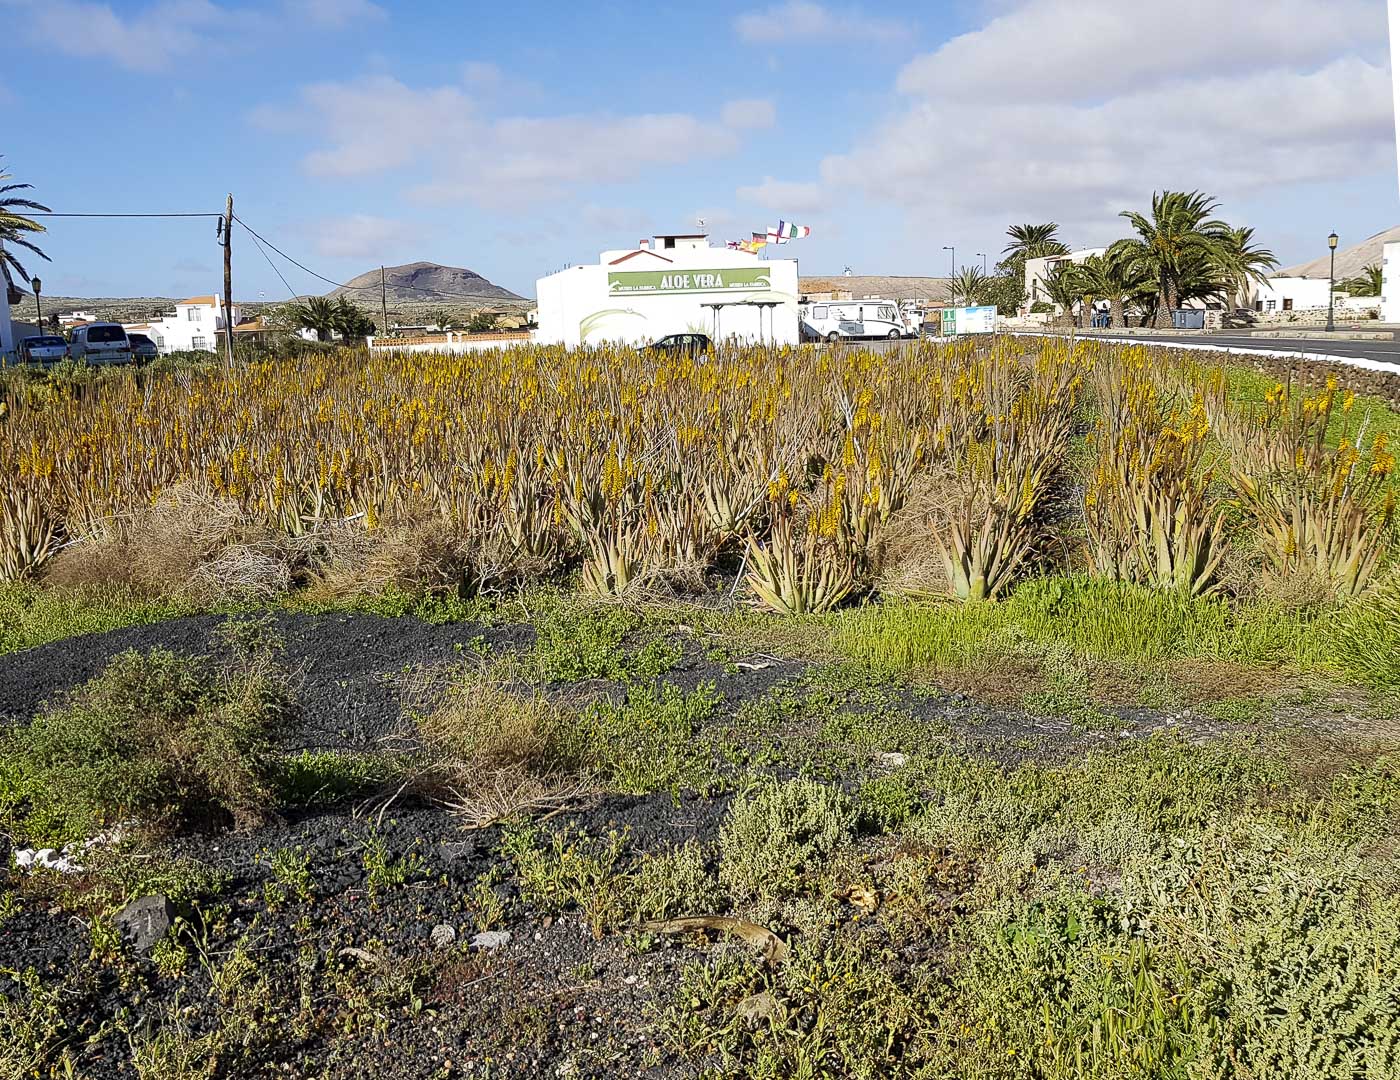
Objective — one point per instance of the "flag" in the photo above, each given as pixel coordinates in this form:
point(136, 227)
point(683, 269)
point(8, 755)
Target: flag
point(774, 236)
point(788, 231)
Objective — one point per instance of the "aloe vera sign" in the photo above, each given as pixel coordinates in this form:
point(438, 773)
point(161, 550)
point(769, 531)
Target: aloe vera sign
point(666, 282)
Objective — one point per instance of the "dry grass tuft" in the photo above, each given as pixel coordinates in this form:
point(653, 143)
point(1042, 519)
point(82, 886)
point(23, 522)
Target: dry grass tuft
point(191, 544)
point(911, 564)
point(491, 753)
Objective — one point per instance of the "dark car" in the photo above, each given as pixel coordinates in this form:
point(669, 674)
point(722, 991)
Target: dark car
point(682, 344)
point(142, 347)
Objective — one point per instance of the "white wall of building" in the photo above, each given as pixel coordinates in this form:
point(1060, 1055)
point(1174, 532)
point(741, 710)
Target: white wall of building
point(1037, 269)
point(642, 294)
point(1290, 294)
point(1390, 283)
point(196, 324)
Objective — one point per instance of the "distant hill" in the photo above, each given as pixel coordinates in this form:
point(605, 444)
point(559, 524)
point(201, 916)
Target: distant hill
point(886, 287)
point(423, 282)
point(1350, 261)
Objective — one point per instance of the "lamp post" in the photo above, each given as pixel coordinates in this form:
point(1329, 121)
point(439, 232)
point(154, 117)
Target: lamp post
point(38, 307)
point(984, 261)
point(1331, 276)
point(952, 261)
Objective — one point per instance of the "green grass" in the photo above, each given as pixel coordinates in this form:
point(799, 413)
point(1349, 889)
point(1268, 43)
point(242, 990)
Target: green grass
point(33, 615)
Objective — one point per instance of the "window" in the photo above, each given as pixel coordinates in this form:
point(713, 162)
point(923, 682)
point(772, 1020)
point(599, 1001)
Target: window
point(160, 342)
point(1268, 305)
point(107, 334)
point(1258, 305)
point(821, 311)
point(199, 341)
point(194, 314)
point(1288, 303)
point(887, 313)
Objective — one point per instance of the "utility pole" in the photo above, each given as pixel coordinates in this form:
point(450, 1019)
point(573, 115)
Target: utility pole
point(228, 280)
point(383, 302)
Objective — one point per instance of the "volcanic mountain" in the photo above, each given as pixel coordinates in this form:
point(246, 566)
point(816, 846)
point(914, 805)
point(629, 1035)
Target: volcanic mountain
point(423, 282)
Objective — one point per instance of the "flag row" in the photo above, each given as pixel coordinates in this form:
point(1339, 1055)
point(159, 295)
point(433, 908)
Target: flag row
point(780, 233)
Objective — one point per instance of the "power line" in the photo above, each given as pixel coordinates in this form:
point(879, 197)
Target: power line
point(270, 263)
point(193, 214)
point(340, 285)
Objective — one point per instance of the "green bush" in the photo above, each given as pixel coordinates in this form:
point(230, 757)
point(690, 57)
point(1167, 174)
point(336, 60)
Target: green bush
point(648, 742)
point(676, 882)
point(164, 739)
point(777, 833)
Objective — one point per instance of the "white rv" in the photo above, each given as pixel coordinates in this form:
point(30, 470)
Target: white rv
point(869, 318)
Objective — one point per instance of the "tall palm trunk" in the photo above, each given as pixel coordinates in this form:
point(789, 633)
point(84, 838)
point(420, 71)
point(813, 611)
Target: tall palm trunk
point(1117, 316)
point(1166, 303)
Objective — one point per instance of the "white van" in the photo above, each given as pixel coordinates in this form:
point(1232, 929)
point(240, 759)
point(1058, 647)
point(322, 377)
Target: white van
point(870, 318)
point(100, 343)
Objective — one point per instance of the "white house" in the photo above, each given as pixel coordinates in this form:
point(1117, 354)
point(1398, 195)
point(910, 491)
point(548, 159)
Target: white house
point(7, 331)
point(1037, 270)
point(1390, 282)
point(195, 325)
point(1291, 294)
point(670, 284)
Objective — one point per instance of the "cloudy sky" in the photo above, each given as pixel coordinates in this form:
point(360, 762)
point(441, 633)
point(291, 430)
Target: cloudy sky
point(513, 139)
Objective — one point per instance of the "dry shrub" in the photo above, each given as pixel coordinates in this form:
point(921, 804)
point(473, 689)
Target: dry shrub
point(353, 561)
point(189, 543)
point(911, 564)
point(490, 753)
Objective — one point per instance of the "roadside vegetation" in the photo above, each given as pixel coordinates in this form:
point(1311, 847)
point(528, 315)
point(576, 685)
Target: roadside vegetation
point(996, 710)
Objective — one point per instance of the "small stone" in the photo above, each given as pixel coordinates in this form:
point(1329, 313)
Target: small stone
point(443, 936)
point(490, 939)
point(144, 921)
point(24, 858)
point(893, 759)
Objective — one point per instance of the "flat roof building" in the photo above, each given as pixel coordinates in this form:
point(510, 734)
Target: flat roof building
point(674, 283)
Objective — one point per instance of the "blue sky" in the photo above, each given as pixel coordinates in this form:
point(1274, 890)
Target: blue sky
point(513, 139)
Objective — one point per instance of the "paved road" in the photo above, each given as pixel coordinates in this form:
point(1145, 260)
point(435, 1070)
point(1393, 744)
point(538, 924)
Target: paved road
point(1384, 354)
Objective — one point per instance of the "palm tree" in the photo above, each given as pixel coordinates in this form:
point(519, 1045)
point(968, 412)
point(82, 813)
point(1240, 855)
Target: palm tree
point(440, 319)
point(968, 287)
point(315, 313)
point(1033, 242)
point(1114, 277)
point(1062, 286)
point(1243, 264)
point(1179, 242)
point(1369, 282)
point(14, 226)
point(349, 321)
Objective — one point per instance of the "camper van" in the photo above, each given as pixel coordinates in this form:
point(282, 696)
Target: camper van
point(869, 318)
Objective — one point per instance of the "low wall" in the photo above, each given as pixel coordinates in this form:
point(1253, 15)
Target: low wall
point(450, 342)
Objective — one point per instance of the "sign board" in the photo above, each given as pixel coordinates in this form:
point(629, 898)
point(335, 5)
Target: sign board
point(969, 320)
point(671, 282)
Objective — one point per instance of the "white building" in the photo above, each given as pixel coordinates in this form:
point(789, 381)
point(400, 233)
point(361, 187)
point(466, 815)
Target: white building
point(1390, 283)
point(196, 325)
point(1290, 294)
point(671, 284)
point(1038, 270)
point(7, 331)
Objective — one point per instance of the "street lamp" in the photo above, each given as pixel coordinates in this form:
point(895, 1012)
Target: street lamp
point(37, 285)
point(984, 261)
point(1331, 276)
point(952, 261)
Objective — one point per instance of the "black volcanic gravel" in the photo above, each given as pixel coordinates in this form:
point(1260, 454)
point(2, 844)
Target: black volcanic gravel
point(348, 669)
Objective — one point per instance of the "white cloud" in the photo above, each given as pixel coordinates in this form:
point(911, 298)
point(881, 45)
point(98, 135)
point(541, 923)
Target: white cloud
point(151, 37)
point(786, 196)
point(142, 41)
point(802, 20)
point(1086, 50)
point(362, 236)
point(335, 14)
point(749, 113)
point(1060, 110)
point(462, 153)
point(482, 73)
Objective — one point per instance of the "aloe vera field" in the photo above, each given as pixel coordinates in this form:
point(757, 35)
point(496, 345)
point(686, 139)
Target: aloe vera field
point(1019, 707)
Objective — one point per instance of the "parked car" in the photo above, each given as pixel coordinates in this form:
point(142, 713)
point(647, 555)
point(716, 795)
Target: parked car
point(100, 343)
point(682, 344)
point(142, 347)
point(42, 349)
